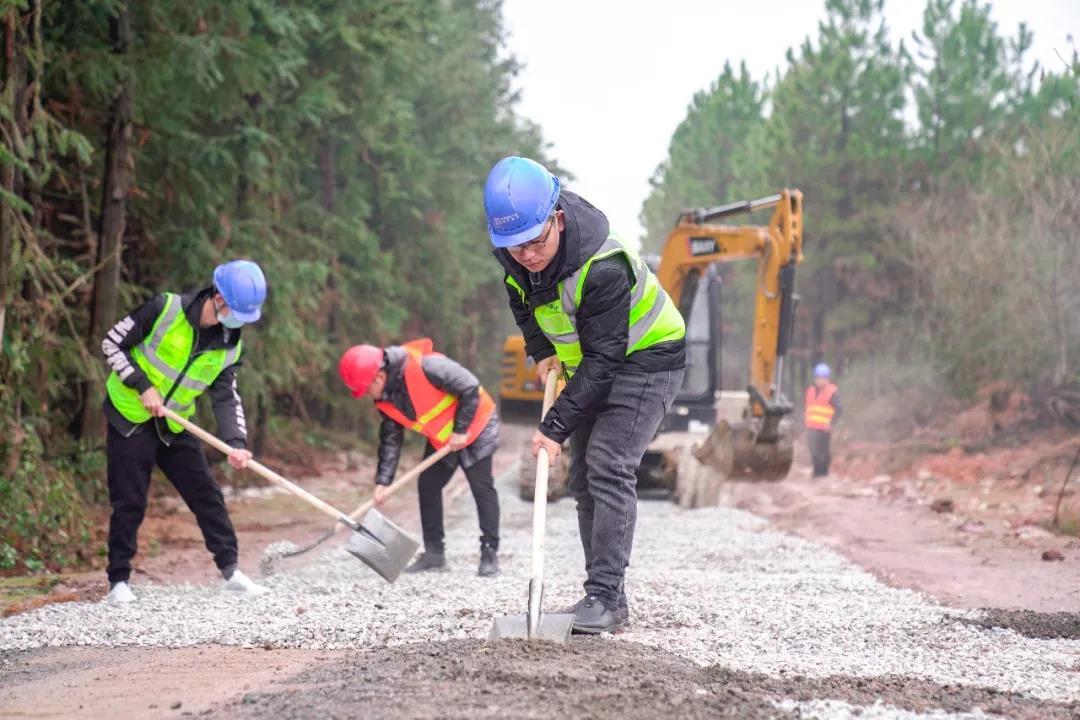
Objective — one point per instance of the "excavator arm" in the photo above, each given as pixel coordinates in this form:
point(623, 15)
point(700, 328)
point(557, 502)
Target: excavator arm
point(697, 241)
point(760, 445)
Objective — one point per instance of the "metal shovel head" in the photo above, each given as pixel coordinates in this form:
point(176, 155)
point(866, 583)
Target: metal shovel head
point(534, 624)
point(551, 628)
point(382, 545)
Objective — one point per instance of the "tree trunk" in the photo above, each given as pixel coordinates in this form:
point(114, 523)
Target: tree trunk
point(119, 164)
point(16, 65)
point(262, 418)
point(328, 199)
point(817, 337)
point(17, 46)
point(7, 172)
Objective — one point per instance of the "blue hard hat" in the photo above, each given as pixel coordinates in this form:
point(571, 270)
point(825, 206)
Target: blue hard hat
point(519, 195)
point(243, 286)
point(821, 370)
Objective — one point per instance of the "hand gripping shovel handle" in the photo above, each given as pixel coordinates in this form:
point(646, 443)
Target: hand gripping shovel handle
point(359, 512)
point(260, 469)
point(403, 480)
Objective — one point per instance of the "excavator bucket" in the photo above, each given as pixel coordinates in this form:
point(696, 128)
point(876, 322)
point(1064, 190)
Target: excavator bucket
point(732, 451)
point(736, 451)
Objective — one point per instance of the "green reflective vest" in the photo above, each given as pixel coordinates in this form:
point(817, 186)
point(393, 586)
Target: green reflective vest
point(165, 356)
point(654, 319)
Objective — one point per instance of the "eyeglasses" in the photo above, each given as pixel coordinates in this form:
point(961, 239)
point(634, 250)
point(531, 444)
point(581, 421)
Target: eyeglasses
point(534, 245)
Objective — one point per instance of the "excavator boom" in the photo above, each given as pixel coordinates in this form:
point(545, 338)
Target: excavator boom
point(696, 242)
point(758, 445)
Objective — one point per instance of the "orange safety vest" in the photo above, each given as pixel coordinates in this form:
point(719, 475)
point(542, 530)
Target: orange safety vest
point(819, 409)
point(434, 408)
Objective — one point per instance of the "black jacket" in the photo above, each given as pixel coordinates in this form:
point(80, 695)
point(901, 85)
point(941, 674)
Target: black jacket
point(602, 319)
point(446, 375)
point(136, 327)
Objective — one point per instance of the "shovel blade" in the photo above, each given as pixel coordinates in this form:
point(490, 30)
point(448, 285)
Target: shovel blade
point(551, 628)
point(382, 545)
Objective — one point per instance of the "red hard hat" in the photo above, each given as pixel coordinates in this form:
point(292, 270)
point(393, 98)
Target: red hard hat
point(359, 366)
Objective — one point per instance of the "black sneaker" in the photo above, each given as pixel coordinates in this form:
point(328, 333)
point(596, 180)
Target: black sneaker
point(489, 562)
point(622, 611)
point(428, 561)
point(593, 617)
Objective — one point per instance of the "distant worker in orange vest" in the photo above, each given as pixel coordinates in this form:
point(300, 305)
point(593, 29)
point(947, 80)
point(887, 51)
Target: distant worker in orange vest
point(417, 388)
point(822, 410)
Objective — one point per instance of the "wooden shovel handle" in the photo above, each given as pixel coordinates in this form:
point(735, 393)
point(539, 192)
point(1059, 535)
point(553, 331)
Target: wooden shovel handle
point(550, 387)
point(258, 468)
point(541, 486)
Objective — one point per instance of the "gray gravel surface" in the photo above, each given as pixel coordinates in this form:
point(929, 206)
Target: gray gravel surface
point(714, 586)
point(838, 710)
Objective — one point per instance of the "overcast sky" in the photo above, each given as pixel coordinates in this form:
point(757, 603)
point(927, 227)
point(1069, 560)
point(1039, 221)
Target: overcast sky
point(609, 81)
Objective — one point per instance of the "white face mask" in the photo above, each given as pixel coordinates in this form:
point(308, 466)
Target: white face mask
point(229, 320)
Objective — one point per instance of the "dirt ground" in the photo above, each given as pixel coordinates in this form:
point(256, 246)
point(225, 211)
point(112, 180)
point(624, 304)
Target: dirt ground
point(465, 679)
point(592, 678)
point(961, 562)
point(100, 682)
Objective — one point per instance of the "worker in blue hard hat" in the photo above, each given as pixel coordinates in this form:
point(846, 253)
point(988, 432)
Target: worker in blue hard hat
point(821, 412)
point(589, 306)
point(166, 353)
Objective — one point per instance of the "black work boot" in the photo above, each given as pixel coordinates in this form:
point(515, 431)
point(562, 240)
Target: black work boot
point(572, 609)
point(594, 617)
point(428, 560)
point(489, 562)
point(622, 611)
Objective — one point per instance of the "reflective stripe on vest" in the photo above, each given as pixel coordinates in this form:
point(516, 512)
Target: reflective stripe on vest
point(163, 356)
point(819, 409)
point(653, 316)
point(434, 408)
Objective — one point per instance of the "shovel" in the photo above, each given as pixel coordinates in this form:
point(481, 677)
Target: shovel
point(379, 543)
point(367, 506)
point(534, 624)
point(384, 544)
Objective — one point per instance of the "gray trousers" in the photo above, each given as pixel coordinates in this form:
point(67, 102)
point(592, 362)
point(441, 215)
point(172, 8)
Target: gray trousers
point(605, 452)
point(818, 441)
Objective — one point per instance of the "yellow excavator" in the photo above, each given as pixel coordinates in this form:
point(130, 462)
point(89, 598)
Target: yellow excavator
point(710, 435)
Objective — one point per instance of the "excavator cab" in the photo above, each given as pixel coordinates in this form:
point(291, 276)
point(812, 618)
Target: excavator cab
point(694, 406)
point(520, 393)
point(693, 414)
